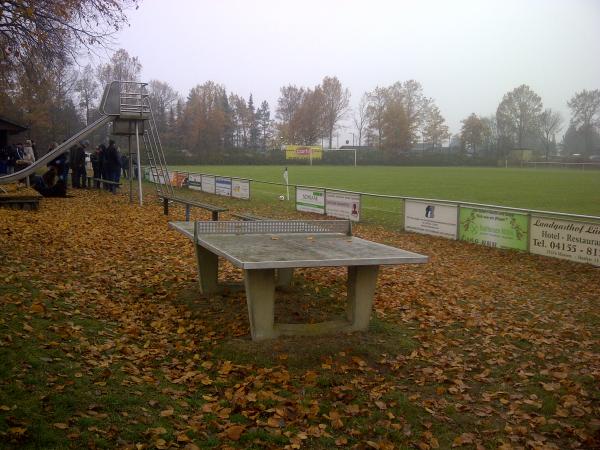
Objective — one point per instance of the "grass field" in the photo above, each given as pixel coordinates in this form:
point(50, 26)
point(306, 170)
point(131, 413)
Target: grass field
point(571, 191)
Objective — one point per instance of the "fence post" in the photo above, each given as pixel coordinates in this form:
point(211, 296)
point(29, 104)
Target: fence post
point(166, 206)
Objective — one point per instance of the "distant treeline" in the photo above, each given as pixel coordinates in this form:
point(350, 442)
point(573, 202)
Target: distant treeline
point(213, 125)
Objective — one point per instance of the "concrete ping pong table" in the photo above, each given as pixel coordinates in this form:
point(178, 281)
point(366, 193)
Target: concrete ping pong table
point(269, 250)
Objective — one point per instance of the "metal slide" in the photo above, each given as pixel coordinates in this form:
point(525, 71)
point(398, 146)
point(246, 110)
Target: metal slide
point(127, 105)
point(62, 148)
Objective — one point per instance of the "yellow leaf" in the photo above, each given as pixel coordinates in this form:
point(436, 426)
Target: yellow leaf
point(166, 413)
point(61, 426)
point(37, 308)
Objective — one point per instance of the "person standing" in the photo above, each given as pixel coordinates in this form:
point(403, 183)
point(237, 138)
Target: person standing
point(125, 165)
point(113, 163)
point(95, 160)
point(77, 165)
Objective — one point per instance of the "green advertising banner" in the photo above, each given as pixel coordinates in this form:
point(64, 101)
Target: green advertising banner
point(493, 228)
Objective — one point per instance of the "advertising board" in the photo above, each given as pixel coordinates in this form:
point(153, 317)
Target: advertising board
point(493, 228)
point(240, 189)
point(223, 186)
point(342, 205)
point(195, 182)
point(178, 178)
point(303, 152)
point(310, 200)
point(208, 184)
point(436, 219)
point(575, 241)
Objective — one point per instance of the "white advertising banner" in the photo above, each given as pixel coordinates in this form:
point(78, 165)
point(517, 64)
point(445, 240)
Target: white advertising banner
point(240, 189)
point(223, 186)
point(431, 218)
point(310, 200)
point(342, 205)
point(576, 241)
point(195, 182)
point(208, 184)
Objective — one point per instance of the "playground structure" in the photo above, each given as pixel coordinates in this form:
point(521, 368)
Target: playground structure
point(125, 105)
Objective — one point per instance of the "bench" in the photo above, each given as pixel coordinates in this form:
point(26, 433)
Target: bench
point(102, 181)
point(215, 210)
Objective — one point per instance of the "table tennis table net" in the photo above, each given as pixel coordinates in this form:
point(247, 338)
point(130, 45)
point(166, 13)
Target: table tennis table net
point(273, 227)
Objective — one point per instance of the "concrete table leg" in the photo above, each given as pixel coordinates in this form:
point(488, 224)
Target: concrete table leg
point(260, 296)
point(208, 270)
point(284, 277)
point(361, 289)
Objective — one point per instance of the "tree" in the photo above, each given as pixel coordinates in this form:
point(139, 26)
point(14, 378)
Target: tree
point(518, 115)
point(252, 123)
point(35, 36)
point(435, 129)
point(360, 117)
point(263, 120)
point(550, 124)
point(472, 133)
point(87, 89)
point(120, 67)
point(204, 119)
point(585, 109)
point(288, 104)
point(375, 112)
point(162, 99)
point(415, 107)
point(335, 105)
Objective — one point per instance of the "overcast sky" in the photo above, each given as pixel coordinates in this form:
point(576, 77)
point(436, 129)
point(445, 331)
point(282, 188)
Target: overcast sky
point(466, 54)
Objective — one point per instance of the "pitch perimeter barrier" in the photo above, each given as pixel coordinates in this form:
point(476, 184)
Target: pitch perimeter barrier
point(574, 237)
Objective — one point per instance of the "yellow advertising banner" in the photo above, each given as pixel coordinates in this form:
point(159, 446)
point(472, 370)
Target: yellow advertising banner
point(303, 152)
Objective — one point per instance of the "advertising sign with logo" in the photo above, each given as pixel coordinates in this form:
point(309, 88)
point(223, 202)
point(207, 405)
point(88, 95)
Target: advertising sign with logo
point(240, 189)
point(223, 186)
point(208, 184)
point(436, 219)
point(493, 228)
point(195, 182)
point(342, 205)
point(576, 241)
point(310, 200)
point(303, 152)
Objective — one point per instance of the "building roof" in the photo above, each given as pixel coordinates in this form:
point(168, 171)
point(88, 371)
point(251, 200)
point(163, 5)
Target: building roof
point(10, 126)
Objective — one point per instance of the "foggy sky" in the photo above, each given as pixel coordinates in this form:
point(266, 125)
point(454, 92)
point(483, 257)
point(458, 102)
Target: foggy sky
point(466, 54)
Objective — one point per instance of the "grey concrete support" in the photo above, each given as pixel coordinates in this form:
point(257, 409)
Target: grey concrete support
point(187, 213)
point(361, 289)
point(260, 296)
point(284, 277)
point(208, 270)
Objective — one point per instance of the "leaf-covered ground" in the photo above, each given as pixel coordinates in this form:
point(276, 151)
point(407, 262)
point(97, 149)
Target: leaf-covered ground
point(105, 342)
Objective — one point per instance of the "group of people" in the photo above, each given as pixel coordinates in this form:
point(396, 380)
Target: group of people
point(106, 162)
point(17, 157)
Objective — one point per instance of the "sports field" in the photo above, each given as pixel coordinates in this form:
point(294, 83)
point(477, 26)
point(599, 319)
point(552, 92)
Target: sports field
point(560, 190)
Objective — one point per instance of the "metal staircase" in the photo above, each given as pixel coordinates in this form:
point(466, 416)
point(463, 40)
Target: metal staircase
point(135, 106)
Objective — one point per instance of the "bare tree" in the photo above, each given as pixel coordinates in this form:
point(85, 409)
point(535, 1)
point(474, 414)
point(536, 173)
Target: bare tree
point(121, 67)
point(585, 107)
point(550, 123)
point(162, 99)
point(360, 117)
point(336, 100)
point(87, 90)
